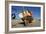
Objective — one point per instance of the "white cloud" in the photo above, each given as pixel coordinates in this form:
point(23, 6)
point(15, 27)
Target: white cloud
point(20, 15)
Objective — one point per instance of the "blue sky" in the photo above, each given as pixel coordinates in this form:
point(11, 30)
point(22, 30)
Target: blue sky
point(35, 10)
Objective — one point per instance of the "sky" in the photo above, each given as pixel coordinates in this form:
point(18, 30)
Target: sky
point(18, 9)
